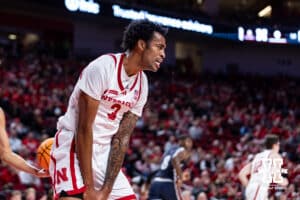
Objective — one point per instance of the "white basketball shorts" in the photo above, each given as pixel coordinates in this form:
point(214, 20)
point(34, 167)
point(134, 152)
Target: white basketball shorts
point(256, 192)
point(65, 172)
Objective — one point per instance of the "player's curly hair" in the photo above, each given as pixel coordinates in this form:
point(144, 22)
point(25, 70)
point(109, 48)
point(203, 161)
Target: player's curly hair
point(140, 29)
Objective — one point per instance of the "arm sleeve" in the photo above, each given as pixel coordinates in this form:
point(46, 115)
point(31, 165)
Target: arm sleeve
point(94, 79)
point(138, 108)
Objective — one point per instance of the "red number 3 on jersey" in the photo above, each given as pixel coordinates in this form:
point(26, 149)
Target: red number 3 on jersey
point(113, 114)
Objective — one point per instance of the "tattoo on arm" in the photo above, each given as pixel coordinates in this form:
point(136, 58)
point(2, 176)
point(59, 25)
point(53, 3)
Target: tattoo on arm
point(119, 145)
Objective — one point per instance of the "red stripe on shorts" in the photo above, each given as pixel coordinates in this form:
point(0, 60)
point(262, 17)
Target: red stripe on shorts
point(53, 178)
point(72, 164)
point(256, 193)
point(129, 197)
point(78, 191)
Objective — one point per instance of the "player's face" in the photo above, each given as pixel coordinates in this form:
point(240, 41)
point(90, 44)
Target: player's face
point(188, 143)
point(154, 53)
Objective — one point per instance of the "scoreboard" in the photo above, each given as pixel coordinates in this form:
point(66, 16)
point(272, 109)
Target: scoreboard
point(242, 33)
point(268, 35)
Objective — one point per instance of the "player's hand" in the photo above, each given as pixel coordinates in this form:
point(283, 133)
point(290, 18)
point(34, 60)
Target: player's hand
point(103, 195)
point(42, 173)
point(91, 194)
point(179, 182)
point(38, 172)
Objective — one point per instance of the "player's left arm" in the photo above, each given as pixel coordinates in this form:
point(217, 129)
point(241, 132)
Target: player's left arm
point(245, 171)
point(11, 158)
point(176, 160)
point(119, 146)
point(120, 140)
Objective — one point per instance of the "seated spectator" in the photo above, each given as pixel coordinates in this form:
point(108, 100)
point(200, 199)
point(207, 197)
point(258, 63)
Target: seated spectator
point(16, 195)
point(30, 194)
point(201, 196)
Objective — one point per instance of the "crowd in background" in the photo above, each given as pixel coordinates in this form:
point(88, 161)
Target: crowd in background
point(226, 115)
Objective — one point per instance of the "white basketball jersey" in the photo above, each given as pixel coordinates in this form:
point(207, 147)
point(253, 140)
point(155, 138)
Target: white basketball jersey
point(105, 80)
point(261, 168)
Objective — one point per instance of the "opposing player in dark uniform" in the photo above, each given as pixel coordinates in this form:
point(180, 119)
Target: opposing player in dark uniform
point(167, 181)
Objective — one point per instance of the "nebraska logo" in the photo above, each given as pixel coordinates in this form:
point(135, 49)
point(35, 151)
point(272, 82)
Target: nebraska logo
point(61, 175)
point(110, 99)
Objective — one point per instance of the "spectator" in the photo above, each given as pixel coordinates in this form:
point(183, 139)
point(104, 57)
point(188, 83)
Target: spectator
point(16, 195)
point(30, 194)
point(201, 196)
point(187, 195)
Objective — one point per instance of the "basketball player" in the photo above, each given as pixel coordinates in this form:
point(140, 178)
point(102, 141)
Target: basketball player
point(9, 157)
point(108, 98)
point(167, 181)
point(263, 170)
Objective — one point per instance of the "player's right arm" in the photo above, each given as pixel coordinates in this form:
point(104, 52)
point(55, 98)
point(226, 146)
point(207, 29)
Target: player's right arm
point(12, 159)
point(84, 140)
point(245, 171)
point(92, 83)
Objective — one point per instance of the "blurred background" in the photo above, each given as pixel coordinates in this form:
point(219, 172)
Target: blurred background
point(230, 77)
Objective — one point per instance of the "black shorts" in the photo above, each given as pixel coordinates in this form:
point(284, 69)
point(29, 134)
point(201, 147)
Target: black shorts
point(65, 194)
point(163, 190)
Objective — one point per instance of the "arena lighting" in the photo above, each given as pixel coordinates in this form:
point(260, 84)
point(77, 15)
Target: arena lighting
point(266, 12)
point(12, 36)
point(88, 6)
point(190, 25)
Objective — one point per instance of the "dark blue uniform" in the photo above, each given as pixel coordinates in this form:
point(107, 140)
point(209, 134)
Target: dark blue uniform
point(163, 186)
